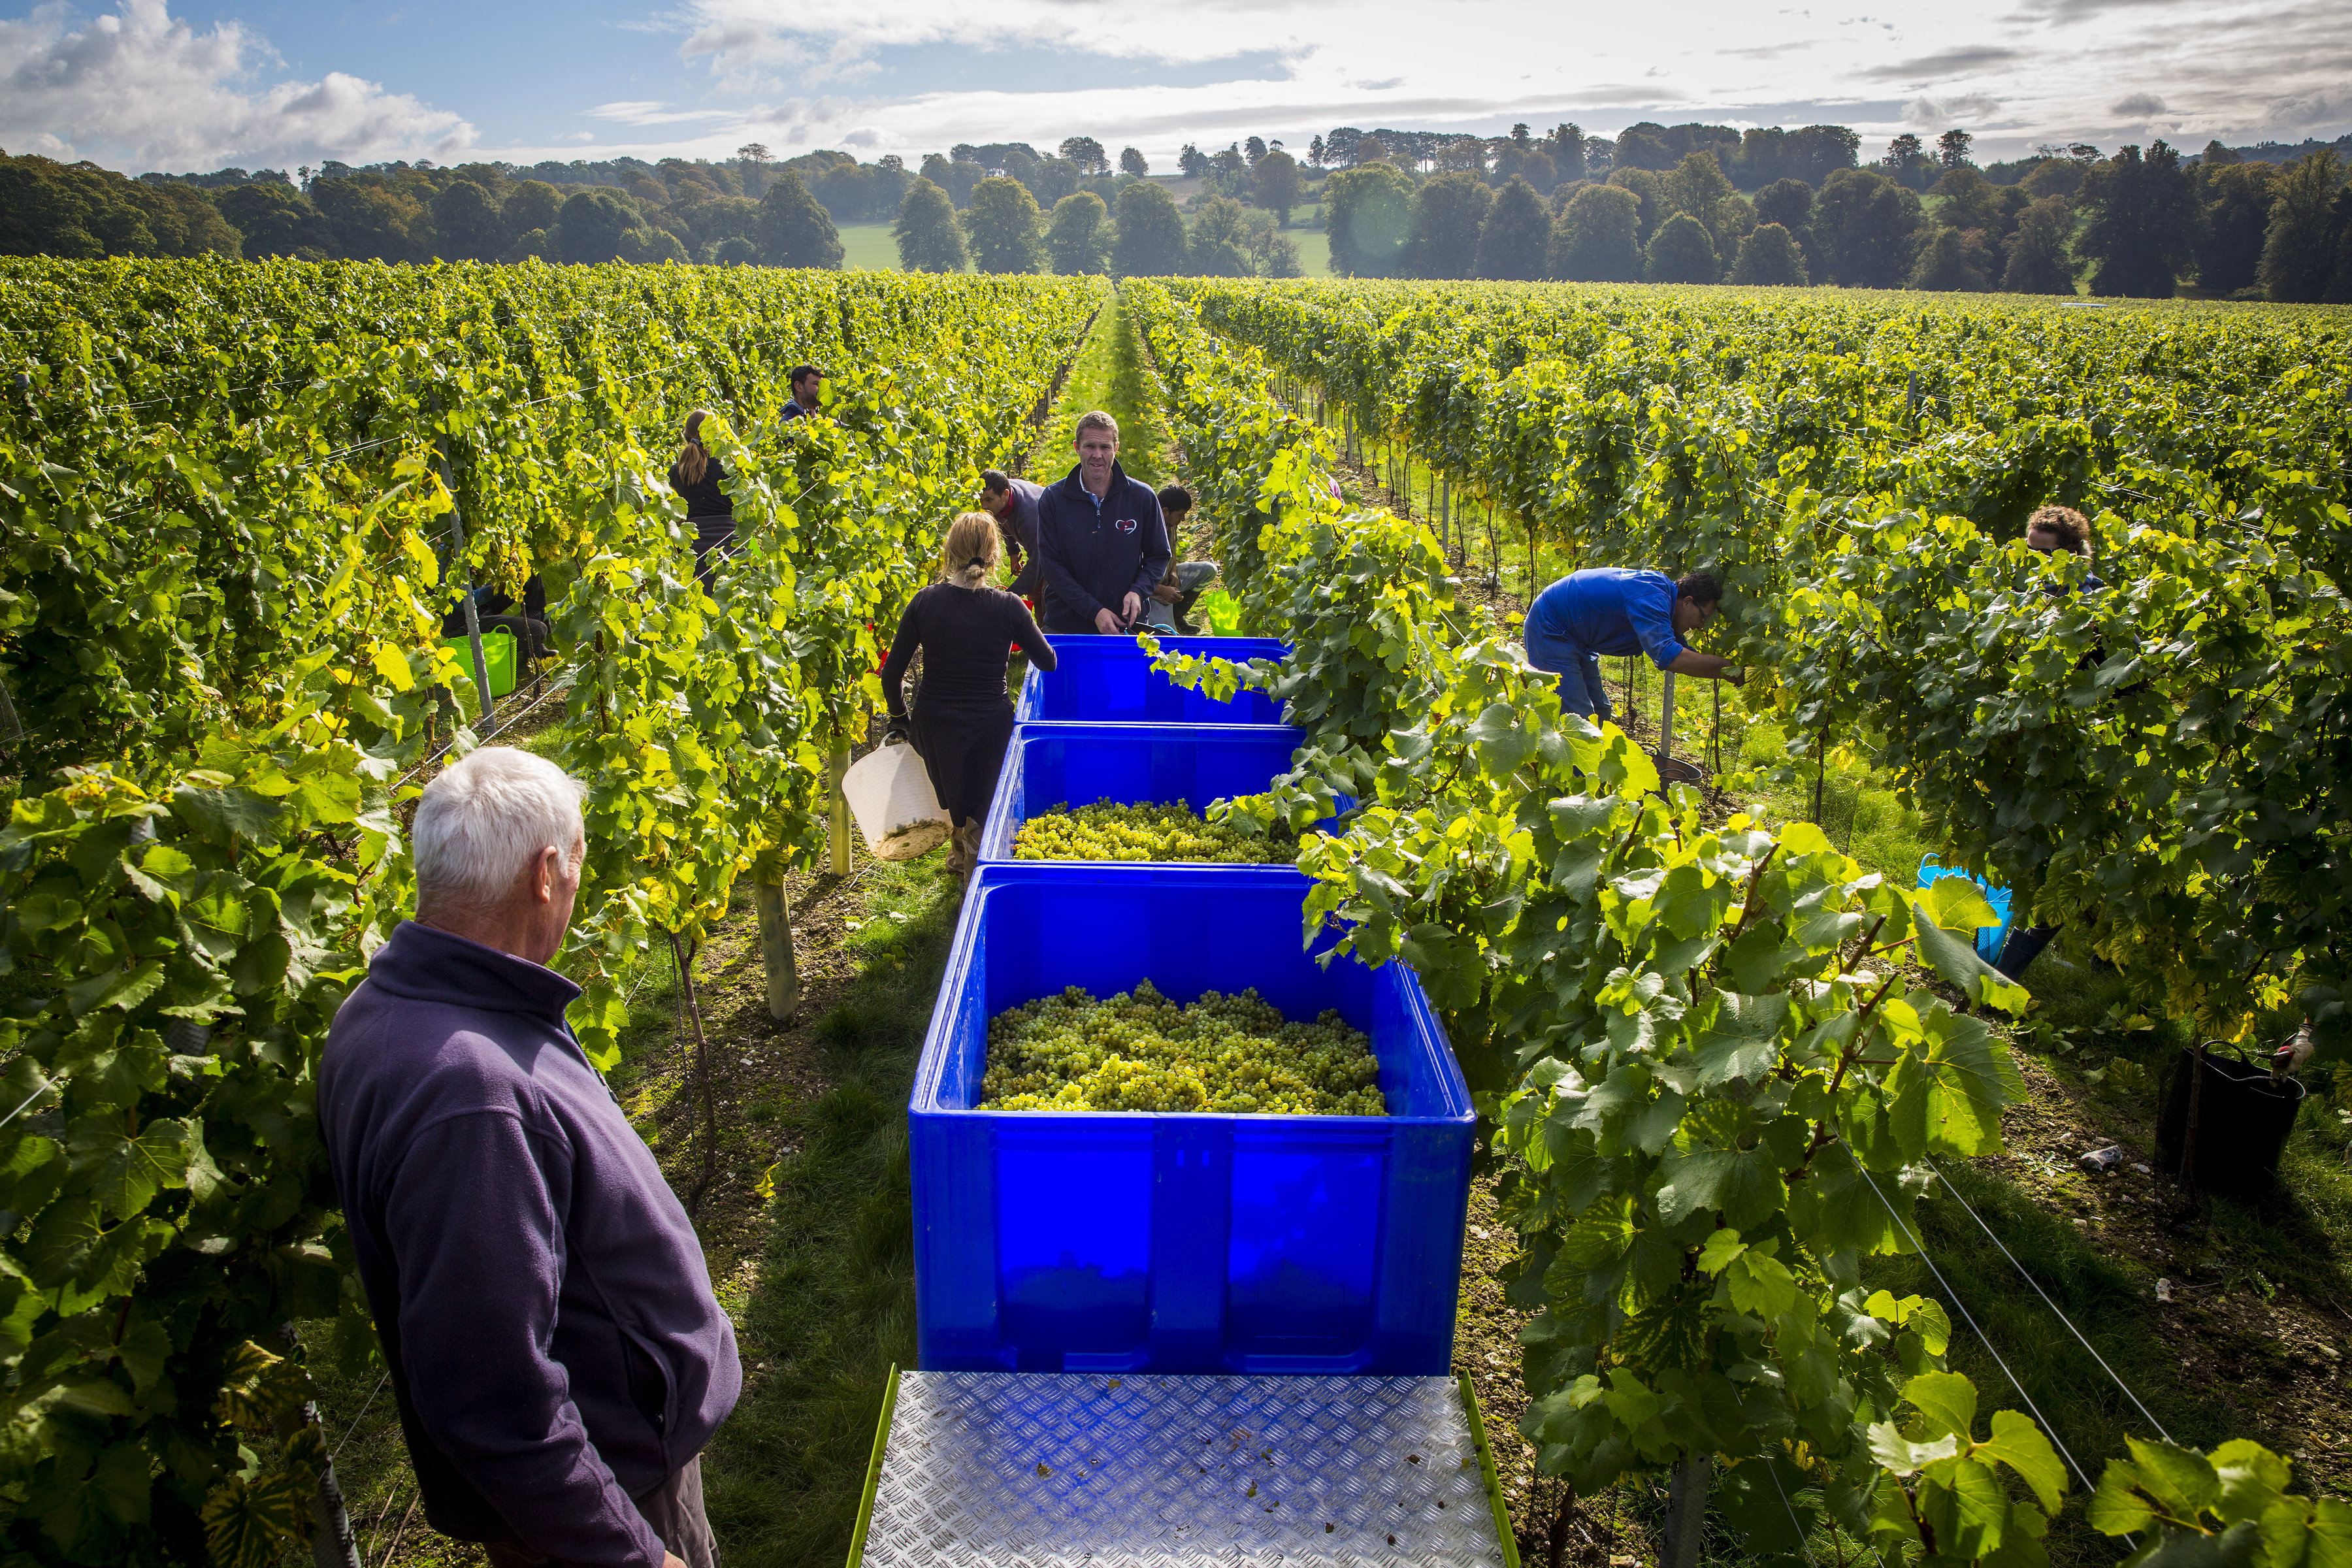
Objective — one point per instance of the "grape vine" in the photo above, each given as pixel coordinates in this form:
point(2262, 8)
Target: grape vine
point(1711, 1082)
point(225, 549)
point(2162, 762)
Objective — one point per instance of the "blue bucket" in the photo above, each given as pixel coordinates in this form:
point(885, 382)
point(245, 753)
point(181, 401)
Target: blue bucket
point(1989, 937)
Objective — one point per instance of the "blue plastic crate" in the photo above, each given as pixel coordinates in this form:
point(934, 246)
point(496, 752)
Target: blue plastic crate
point(1131, 1241)
point(1077, 764)
point(1989, 937)
point(1098, 679)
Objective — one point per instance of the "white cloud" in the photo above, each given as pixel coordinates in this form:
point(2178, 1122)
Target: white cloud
point(755, 46)
point(654, 112)
point(2328, 106)
point(1942, 113)
point(2012, 77)
point(136, 85)
point(139, 89)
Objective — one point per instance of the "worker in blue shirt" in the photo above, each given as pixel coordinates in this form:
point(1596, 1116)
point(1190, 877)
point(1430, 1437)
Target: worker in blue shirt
point(1613, 611)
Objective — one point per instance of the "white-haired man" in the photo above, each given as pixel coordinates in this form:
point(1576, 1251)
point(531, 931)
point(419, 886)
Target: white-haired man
point(555, 1349)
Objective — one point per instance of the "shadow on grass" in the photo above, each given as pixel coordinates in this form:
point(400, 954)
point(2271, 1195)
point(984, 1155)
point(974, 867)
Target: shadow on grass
point(2081, 1406)
point(834, 1306)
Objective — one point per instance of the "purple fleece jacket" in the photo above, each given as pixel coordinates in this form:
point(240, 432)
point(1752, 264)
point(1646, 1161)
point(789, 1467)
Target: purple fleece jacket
point(542, 1298)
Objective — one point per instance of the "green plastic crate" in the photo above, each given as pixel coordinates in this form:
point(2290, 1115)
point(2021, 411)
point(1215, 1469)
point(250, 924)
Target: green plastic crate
point(499, 651)
point(1220, 611)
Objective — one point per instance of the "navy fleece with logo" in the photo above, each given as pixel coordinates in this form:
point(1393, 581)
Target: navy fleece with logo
point(1094, 553)
point(543, 1304)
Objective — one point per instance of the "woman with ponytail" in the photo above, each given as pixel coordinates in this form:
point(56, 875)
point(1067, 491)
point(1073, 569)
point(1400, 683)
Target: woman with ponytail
point(697, 476)
point(963, 716)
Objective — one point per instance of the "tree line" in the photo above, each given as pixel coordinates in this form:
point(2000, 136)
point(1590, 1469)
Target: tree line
point(973, 207)
point(1688, 202)
point(2136, 222)
point(396, 212)
point(750, 209)
point(1140, 233)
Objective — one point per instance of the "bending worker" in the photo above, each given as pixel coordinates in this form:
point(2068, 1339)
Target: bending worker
point(1013, 504)
point(1613, 611)
point(963, 716)
point(1100, 537)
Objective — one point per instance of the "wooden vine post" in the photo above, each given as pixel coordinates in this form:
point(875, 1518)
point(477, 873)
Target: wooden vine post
point(333, 1543)
point(459, 566)
point(1666, 719)
point(1821, 760)
point(776, 951)
point(2196, 1117)
point(835, 771)
point(685, 961)
point(1715, 734)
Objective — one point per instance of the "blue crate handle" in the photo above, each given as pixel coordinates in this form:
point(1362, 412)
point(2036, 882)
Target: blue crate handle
point(1989, 937)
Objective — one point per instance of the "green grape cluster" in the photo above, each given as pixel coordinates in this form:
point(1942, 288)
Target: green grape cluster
point(1158, 830)
point(1139, 1051)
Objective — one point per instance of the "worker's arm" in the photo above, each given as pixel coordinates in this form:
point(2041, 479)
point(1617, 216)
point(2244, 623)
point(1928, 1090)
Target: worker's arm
point(1710, 666)
point(1152, 537)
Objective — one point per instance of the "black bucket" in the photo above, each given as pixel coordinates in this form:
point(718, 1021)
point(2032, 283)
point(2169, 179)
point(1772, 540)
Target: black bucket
point(2243, 1117)
point(1677, 770)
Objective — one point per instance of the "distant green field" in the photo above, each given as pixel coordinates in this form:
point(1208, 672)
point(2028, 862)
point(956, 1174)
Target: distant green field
point(1314, 252)
point(868, 247)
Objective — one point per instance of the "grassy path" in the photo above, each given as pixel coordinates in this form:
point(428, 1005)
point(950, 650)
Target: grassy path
point(1106, 375)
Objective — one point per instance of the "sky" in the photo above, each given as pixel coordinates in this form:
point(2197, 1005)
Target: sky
point(195, 85)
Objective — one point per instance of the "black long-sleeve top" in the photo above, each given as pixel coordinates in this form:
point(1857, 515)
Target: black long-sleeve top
point(703, 497)
point(966, 636)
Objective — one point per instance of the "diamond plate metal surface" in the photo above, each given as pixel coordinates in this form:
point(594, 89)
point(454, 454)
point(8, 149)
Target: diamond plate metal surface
point(1055, 1469)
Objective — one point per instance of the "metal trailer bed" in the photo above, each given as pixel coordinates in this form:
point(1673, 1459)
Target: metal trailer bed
point(1008, 1470)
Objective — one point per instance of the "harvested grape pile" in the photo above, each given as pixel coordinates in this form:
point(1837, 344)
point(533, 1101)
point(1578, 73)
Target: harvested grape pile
point(1157, 831)
point(1139, 1051)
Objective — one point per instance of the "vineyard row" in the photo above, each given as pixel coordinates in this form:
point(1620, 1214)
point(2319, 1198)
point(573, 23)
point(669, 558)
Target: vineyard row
point(1712, 1090)
point(2163, 763)
point(228, 495)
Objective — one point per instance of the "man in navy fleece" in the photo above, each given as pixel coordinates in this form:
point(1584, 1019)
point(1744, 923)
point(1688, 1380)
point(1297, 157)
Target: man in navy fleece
point(1100, 538)
point(557, 1354)
point(1613, 611)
